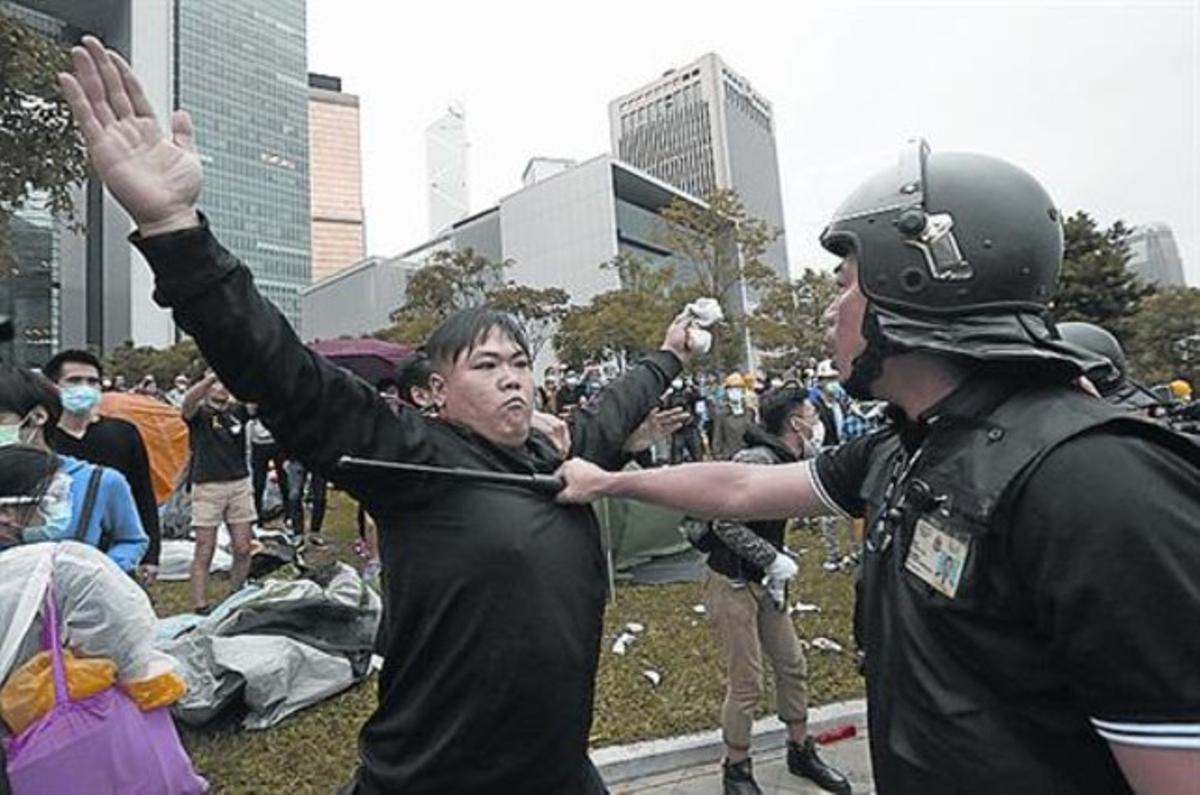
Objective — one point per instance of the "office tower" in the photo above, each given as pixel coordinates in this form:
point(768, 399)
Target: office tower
point(335, 177)
point(703, 126)
point(1154, 256)
point(446, 168)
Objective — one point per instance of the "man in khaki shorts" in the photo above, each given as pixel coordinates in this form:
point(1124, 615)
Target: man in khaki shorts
point(221, 484)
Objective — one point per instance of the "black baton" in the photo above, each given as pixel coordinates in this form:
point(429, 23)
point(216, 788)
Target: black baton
point(548, 484)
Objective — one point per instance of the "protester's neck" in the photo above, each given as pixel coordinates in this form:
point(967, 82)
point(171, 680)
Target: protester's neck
point(916, 382)
point(75, 424)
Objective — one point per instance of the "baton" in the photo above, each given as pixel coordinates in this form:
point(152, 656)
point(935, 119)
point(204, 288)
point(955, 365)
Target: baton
point(547, 484)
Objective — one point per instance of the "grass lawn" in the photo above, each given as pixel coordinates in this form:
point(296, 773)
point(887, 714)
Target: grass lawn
point(316, 750)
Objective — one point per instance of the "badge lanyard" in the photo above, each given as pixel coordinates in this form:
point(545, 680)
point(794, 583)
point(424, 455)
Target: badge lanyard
point(880, 536)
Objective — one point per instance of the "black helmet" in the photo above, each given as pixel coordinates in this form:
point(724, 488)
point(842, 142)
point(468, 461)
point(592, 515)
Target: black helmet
point(1092, 338)
point(958, 253)
point(1112, 376)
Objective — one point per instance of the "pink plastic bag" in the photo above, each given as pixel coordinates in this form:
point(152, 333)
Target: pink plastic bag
point(100, 745)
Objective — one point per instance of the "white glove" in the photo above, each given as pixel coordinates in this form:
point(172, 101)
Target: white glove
point(778, 572)
point(783, 568)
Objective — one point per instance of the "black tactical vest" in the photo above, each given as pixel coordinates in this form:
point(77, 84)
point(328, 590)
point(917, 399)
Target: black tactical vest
point(944, 709)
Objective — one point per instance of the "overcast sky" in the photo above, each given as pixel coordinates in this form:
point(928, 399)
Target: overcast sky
point(1100, 101)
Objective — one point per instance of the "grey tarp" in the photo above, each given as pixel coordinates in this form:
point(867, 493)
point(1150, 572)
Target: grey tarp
point(283, 647)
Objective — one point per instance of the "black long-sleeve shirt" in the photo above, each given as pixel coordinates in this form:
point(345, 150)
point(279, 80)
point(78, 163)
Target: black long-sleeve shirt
point(495, 593)
point(116, 443)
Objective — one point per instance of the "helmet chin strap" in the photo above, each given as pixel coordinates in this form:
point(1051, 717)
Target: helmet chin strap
point(867, 367)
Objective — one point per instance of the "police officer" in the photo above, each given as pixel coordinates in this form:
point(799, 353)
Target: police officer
point(1031, 585)
point(1110, 377)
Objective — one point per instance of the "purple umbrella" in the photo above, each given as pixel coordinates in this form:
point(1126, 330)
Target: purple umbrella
point(369, 359)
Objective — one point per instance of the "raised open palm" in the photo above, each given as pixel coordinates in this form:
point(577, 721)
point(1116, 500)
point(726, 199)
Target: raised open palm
point(156, 179)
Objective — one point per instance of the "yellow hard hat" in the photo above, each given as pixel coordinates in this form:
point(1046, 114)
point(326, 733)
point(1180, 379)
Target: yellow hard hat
point(734, 380)
point(1181, 388)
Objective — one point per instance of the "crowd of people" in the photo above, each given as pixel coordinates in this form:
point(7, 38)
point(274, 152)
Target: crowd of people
point(1019, 601)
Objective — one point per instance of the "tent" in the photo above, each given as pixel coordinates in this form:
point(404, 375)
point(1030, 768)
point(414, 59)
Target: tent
point(162, 429)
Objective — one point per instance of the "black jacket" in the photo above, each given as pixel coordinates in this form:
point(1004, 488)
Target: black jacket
point(495, 594)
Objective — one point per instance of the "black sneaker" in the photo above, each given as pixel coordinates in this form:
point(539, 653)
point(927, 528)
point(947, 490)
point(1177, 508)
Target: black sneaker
point(802, 760)
point(739, 778)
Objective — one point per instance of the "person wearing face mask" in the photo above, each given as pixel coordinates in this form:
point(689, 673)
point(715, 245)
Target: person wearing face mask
point(103, 511)
point(732, 419)
point(685, 442)
point(745, 598)
point(108, 441)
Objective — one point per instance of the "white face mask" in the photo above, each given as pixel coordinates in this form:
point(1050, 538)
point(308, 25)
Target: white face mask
point(13, 434)
point(818, 433)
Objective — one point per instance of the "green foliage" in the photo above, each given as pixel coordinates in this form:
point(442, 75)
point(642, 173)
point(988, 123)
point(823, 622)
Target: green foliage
point(788, 322)
point(624, 322)
point(1157, 345)
point(456, 280)
point(40, 147)
point(163, 363)
point(723, 246)
point(1095, 285)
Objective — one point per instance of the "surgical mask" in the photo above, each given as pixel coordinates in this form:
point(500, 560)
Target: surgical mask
point(54, 512)
point(11, 434)
point(80, 399)
point(818, 433)
point(735, 394)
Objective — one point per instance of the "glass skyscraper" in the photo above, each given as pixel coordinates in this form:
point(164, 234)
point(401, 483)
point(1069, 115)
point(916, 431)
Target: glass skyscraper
point(241, 71)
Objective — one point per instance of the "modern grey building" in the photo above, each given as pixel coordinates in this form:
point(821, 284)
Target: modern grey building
point(241, 71)
point(356, 300)
point(703, 126)
point(1154, 256)
point(557, 231)
point(88, 289)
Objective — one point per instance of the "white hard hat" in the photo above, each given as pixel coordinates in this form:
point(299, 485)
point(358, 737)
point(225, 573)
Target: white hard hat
point(825, 369)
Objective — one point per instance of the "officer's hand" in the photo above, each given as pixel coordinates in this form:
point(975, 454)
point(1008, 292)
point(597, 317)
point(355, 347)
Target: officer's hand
point(585, 482)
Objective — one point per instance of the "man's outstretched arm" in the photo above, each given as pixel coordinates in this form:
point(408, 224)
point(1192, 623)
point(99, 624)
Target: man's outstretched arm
point(319, 411)
point(706, 491)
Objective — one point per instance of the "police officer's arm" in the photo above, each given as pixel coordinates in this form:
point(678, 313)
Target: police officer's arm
point(707, 491)
point(741, 540)
point(1106, 534)
point(828, 484)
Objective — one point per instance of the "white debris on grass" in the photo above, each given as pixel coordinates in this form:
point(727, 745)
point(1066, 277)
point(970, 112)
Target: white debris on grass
point(825, 644)
point(634, 627)
point(654, 676)
point(622, 642)
point(698, 610)
point(805, 607)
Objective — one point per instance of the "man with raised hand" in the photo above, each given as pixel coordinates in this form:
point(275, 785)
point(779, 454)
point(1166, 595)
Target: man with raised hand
point(495, 592)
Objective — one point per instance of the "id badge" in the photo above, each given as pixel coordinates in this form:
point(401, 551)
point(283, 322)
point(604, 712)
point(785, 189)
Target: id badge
point(938, 555)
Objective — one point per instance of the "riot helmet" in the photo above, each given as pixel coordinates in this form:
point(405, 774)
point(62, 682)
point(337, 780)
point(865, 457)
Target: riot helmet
point(958, 254)
point(1111, 377)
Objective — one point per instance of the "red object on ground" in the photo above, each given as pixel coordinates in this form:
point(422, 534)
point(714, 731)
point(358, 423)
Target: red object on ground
point(836, 733)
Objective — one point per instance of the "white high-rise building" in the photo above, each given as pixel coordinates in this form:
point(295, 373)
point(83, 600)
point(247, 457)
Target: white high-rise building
point(703, 126)
point(1154, 256)
point(446, 166)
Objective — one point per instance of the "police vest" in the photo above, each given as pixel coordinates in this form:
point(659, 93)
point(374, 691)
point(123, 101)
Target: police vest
point(943, 620)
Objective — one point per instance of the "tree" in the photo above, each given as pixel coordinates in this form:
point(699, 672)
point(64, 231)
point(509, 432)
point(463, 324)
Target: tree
point(722, 246)
point(788, 322)
point(1163, 340)
point(451, 281)
point(624, 322)
point(163, 363)
point(540, 310)
point(1096, 286)
point(41, 150)
point(456, 280)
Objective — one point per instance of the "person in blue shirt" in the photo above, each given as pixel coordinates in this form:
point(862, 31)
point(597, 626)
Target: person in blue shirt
point(29, 404)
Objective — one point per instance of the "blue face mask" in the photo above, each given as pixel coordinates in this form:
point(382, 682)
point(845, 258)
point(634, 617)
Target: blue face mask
point(80, 399)
point(53, 518)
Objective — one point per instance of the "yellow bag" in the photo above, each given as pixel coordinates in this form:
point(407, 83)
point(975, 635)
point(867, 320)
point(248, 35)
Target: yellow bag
point(161, 691)
point(29, 692)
